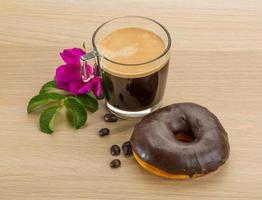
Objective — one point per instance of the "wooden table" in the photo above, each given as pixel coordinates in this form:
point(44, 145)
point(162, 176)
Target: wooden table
point(216, 61)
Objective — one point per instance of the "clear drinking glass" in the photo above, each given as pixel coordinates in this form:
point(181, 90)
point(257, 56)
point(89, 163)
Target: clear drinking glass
point(131, 95)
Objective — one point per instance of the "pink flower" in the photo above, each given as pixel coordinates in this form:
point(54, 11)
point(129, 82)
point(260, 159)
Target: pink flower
point(68, 76)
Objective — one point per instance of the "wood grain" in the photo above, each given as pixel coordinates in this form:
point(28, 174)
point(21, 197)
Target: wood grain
point(216, 61)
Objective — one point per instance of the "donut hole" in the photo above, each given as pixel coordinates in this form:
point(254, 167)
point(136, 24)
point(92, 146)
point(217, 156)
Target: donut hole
point(185, 137)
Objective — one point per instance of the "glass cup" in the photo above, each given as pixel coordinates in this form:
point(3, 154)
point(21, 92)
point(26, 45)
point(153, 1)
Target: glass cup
point(131, 95)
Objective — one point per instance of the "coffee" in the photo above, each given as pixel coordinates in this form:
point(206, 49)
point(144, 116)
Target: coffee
point(134, 72)
point(131, 46)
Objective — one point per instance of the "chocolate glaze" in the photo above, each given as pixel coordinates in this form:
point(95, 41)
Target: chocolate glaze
point(154, 141)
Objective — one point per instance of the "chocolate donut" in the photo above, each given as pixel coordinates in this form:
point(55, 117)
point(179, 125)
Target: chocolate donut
point(180, 141)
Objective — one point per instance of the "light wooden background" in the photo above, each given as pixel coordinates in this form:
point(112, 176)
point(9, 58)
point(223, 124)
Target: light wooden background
point(216, 61)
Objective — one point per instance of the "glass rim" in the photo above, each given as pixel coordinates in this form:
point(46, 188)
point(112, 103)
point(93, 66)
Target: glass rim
point(135, 64)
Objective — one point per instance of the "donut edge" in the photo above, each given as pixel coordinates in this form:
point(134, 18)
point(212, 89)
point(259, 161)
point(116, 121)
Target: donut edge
point(161, 173)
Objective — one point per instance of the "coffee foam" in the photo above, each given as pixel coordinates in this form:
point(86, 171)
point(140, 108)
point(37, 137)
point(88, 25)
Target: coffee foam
point(132, 46)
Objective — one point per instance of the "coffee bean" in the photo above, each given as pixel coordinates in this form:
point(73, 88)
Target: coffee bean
point(103, 132)
point(109, 117)
point(115, 150)
point(127, 148)
point(115, 163)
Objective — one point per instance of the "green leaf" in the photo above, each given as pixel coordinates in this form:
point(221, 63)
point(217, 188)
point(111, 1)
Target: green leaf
point(50, 87)
point(76, 112)
point(43, 99)
point(89, 101)
point(47, 119)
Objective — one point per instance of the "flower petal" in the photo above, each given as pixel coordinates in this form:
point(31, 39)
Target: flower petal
point(87, 87)
point(96, 86)
point(63, 86)
point(72, 56)
point(66, 73)
point(68, 77)
point(74, 87)
point(89, 69)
